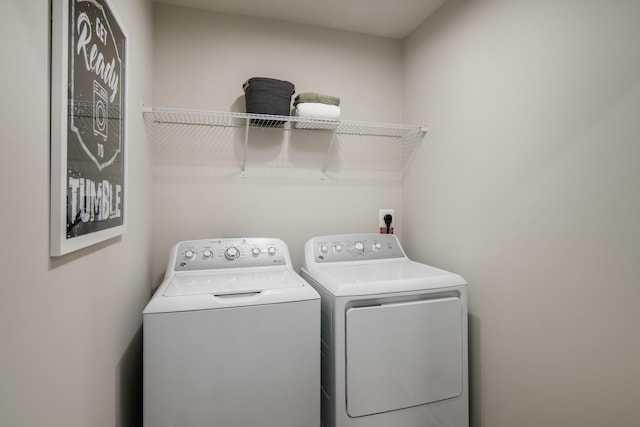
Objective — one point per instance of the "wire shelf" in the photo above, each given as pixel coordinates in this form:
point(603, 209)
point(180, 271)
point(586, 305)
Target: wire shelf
point(221, 139)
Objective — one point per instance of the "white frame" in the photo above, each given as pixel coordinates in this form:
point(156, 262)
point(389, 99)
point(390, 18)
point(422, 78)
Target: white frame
point(60, 244)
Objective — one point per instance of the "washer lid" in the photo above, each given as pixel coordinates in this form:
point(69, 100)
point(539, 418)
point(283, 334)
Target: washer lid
point(220, 289)
point(382, 276)
point(231, 282)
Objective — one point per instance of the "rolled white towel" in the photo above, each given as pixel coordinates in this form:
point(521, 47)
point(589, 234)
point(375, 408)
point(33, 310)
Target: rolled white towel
point(316, 110)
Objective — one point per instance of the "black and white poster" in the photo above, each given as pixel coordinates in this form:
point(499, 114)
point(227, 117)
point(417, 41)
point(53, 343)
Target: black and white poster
point(88, 124)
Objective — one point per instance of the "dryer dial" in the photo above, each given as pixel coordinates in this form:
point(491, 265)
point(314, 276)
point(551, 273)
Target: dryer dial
point(358, 247)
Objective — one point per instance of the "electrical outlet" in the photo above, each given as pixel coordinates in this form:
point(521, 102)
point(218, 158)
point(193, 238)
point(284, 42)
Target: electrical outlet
point(383, 226)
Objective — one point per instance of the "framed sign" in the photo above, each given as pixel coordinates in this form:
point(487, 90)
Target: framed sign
point(88, 128)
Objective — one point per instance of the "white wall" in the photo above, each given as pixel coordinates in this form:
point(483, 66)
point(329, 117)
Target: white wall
point(202, 59)
point(528, 186)
point(70, 327)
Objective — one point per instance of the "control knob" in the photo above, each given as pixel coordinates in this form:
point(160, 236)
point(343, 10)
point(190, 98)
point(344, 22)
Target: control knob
point(189, 254)
point(358, 247)
point(207, 254)
point(271, 251)
point(231, 253)
point(255, 251)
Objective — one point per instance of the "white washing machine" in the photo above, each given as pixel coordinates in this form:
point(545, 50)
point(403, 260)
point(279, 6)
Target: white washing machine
point(231, 339)
point(394, 335)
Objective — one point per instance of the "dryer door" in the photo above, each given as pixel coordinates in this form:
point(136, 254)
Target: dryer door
point(402, 355)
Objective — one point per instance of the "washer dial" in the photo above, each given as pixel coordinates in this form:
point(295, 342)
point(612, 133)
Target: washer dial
point(231, 253)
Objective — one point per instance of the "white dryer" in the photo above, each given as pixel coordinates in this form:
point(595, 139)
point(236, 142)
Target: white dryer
point(231, 339)
point(394, 335)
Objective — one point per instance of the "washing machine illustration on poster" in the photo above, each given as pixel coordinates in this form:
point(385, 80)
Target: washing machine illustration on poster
point(100, 113)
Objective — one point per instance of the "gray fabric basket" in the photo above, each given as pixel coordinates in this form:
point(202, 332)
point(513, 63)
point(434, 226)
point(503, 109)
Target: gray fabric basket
point(268, 96)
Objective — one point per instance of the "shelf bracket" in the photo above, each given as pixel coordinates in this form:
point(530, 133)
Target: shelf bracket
point(246, 147)
point(326, 159)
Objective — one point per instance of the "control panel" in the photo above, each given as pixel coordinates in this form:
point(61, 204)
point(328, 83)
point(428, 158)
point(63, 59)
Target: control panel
point(354, 247)
point(229, 253)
